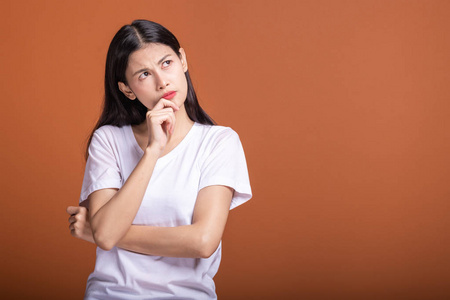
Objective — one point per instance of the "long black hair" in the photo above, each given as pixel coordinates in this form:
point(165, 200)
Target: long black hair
point(118, 110)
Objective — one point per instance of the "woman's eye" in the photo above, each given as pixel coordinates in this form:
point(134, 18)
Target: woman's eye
point(167, 63)
point(143, 75)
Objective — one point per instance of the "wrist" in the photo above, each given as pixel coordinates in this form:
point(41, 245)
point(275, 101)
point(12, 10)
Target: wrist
point(153, 150)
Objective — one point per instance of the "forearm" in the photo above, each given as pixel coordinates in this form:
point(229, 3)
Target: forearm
point(181, 241)
point(110, 221)
point(200, 239)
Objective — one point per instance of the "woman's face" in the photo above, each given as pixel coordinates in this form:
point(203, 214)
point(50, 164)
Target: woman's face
point(153, 72)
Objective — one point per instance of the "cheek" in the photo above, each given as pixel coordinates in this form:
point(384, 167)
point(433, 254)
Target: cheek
point(182, 81)
point(143, 88)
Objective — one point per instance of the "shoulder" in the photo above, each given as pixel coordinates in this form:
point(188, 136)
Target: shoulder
point(216, 132)
point(110, 135)
point(217, 139)
point(109, 130)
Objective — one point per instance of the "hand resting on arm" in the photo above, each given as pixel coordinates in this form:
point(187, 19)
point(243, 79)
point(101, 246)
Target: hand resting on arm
point(112, 211)
point(198, 240)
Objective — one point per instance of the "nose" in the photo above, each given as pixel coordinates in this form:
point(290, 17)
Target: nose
point(161, 82)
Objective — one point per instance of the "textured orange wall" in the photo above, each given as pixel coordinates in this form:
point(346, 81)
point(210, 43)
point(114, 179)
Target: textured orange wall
point(343, 110)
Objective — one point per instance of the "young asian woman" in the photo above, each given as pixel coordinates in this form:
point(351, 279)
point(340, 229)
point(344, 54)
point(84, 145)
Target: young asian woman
point(160, 176)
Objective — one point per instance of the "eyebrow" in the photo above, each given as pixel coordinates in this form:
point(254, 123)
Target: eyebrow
point(146, 69)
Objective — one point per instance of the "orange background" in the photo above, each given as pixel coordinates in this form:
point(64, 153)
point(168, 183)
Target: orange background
point(343, 110)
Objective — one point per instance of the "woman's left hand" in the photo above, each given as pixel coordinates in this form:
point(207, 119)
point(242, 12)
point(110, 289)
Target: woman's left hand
point(79, 224)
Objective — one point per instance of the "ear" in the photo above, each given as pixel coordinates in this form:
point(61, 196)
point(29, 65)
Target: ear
point(125, 89)
point(183, 60)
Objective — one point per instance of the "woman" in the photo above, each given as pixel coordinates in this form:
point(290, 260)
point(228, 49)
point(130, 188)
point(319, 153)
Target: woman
point(160, 178)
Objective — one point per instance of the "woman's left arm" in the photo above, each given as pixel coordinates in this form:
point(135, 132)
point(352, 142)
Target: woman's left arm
point(198, 240)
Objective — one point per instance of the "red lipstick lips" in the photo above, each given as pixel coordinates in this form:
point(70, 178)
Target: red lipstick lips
point(169, 95)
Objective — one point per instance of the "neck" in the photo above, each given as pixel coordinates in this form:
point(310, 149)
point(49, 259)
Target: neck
point(182, 125)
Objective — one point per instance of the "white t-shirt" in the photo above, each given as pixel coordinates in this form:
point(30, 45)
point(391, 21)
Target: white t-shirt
point(208, 155)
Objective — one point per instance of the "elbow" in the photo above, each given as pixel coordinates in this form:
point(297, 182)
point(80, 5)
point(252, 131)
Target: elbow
point(207, 246)
point(105, 246)
point(103, 242)
point(104, 237)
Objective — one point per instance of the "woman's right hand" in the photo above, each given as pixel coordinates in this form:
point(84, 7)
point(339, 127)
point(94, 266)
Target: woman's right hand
point(161, 123)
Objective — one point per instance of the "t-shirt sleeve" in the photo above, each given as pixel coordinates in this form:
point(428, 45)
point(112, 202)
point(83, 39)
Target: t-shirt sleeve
point(225, 164)
point(101, 170)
